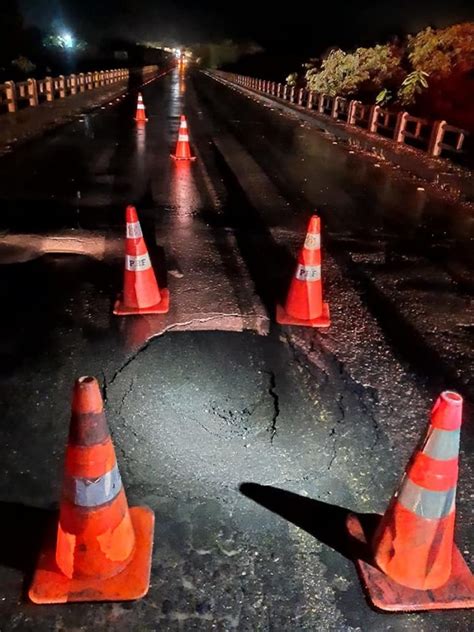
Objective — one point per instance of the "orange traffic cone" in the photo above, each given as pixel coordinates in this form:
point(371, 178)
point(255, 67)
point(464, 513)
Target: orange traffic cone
point(304, 304)
point(141, 294)
point(140, 116)
point(183, 150)
point(103, 549)
point(416, 565)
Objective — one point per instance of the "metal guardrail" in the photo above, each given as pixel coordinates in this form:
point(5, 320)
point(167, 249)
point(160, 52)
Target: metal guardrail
point(434, 137)
point(32, 92)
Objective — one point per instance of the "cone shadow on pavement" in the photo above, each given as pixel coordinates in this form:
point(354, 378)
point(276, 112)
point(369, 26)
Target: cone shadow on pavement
point(325, 522)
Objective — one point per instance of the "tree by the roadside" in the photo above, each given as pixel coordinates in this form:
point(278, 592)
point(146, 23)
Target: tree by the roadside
point(447, 58)
point(362, 72)
point(443, 51)
point(413, 85)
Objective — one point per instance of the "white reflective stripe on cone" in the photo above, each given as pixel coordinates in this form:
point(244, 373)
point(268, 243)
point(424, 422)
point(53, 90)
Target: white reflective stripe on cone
point(141, 262)
point(92, 492)
point(134, 230)
point(426, 503)
point(184, 125)
point(442, 445)
point(308, 273)
point(182, 138)
point(140, 106)
point(312, 241)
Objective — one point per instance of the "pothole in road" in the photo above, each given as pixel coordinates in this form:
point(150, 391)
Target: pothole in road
point(197, 410)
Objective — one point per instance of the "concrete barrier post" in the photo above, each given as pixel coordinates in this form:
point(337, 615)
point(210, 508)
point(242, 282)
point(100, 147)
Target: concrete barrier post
point(436, 138)
point(32, 92)
point(101, 78)
point(285, 92)
point(73, 83)
point(49, 88)
point(335, 107)
point(321, 103)
point(73, 80)
point(399, 133)
point(10, 92)
point(309, 102)
point(82, 82)
point(373, 118)
point(301, 96)
point(292, 94)
point(351, 111)
point(62, 86)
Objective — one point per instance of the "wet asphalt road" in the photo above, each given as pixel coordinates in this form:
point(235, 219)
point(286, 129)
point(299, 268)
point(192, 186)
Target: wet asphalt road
point(324, 421)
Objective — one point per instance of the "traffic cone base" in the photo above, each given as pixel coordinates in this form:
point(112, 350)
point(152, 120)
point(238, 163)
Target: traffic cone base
point(162, 307)
point(387, 595)
point(283, 318)
point(50, 585)
point(177, 158)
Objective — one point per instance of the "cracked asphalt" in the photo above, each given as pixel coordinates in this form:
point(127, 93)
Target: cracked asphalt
point(250, 442)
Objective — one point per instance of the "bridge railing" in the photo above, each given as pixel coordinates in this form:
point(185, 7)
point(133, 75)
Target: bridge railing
point(32, 92)
point(434, 137)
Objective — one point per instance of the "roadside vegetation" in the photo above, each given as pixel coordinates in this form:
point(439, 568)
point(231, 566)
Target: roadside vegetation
point(430, 73)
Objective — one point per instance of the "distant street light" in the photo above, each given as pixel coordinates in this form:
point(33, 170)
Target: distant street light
point(68, 40)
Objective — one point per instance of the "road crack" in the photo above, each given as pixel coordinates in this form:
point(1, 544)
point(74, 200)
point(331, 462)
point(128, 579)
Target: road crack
point(129, 360)
point(334, 450)
point(125, 395)
point(276, 404)
point(165, 330)
point(104, 386)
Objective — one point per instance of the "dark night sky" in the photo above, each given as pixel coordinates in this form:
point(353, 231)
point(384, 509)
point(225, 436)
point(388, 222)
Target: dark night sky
point(300, 26)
